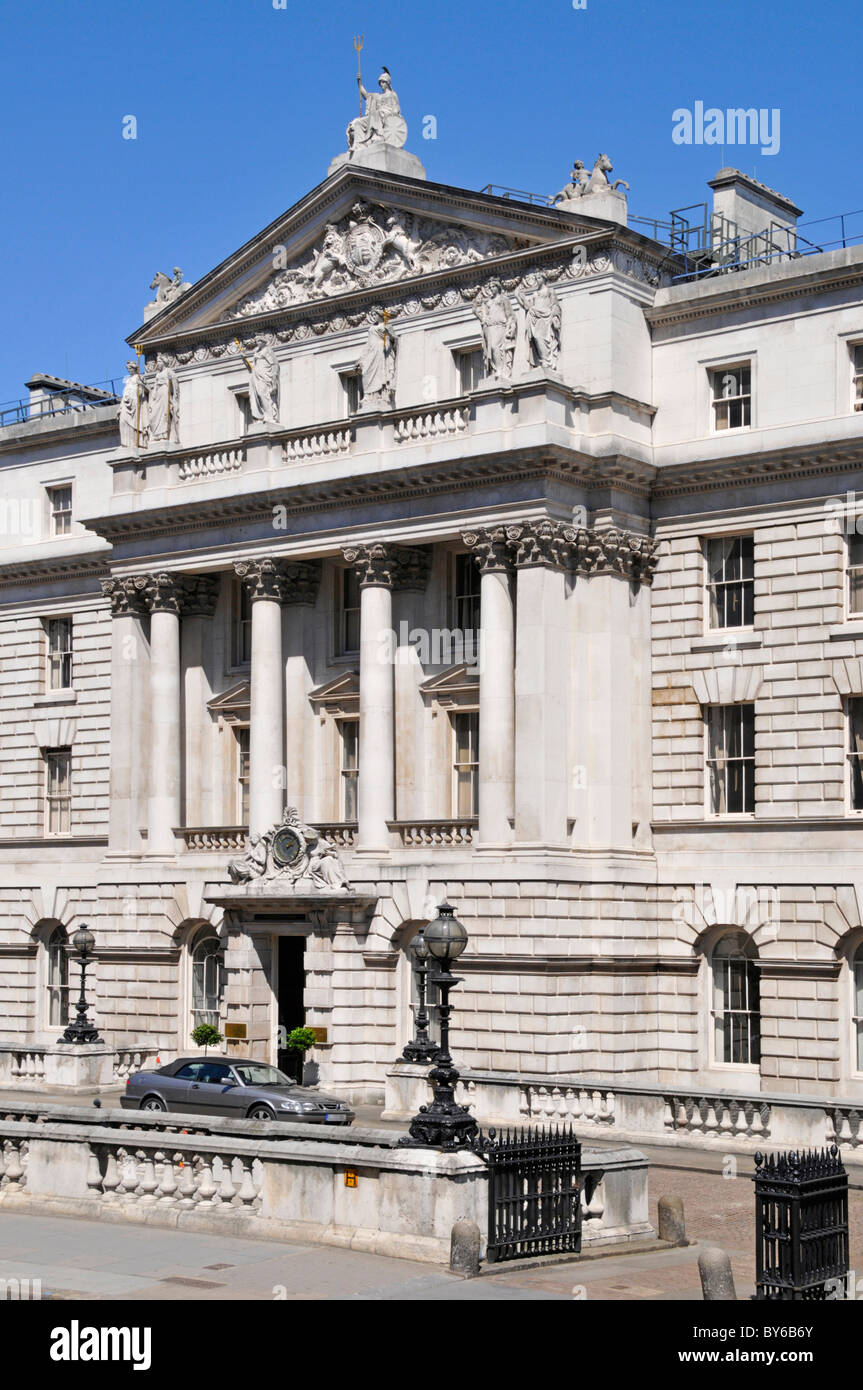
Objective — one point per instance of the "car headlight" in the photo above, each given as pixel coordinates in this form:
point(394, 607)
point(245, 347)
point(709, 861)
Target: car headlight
point(309, 1105)
point(293, 1105)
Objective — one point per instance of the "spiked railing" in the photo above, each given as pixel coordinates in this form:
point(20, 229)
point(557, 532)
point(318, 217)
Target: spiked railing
point(534, 1192)
point(801, 1221)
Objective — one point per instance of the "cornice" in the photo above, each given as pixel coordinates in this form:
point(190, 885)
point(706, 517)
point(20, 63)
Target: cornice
point(25, 571)
point(742, 296)
point(753, 470)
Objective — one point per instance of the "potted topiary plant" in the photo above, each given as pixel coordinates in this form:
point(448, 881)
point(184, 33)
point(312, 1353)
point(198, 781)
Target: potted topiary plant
point(206, 1035)
point(300, 1040)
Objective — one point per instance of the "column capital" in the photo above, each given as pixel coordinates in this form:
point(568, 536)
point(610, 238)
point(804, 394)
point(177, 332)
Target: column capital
point(490, 549)
point(126, 595)
point(546, 543)
point(163, 592)
point(412, 568)
point(199, 594)
point(375, 564)
point(626, 553)
point(301, 580)
point(262, 578)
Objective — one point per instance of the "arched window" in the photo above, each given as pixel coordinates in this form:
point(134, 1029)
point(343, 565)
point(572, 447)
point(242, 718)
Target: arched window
point(58, 978)
point(736, 1003)
point(208, 963)
point(857, 1006)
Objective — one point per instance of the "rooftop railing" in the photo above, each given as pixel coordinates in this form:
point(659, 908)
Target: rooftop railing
point(58, 400)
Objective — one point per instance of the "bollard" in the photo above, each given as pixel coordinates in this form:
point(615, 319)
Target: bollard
point(717, 1281)
point(671, 1225)
point(464, 1249)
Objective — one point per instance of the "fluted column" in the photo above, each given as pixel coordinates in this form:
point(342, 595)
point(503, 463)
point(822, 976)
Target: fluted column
point(496, 687)
point(301, 582)
point(200, 593)
point(263, 581)
point(376, 782)
point(163, 595)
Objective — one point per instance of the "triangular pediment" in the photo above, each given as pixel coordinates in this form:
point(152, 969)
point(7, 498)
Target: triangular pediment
point(358, 230)
point(455, 685)
point(342, 693)
point(233, 704)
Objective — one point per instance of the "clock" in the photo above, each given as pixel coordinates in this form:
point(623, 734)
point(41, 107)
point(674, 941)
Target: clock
point(288, 846)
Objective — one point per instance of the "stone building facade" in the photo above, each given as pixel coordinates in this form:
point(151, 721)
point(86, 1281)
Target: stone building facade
point(521, 560)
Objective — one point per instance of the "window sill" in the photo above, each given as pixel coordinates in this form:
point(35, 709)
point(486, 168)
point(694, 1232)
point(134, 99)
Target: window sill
point(852, 630)
point(56, 697)
point(742, 637)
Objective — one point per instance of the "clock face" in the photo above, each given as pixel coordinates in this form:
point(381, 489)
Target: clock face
point(287, 847)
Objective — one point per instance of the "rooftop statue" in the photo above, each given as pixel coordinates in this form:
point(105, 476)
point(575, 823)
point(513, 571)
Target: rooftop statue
point(594, 193)
point(167, 290)
point(383, 118)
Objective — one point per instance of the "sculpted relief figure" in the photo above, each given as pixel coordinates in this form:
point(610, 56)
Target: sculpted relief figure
point(494, 311)
point(264, 383)
point(252, 864)
point(579, 177)
point(378, 362)
point(542, 315)
point(383, 120)
point(163, 404)
point(133, 410)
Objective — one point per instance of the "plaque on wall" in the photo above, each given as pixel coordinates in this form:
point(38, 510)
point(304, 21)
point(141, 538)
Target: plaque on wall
point(320, 1034)
point(235, 1030)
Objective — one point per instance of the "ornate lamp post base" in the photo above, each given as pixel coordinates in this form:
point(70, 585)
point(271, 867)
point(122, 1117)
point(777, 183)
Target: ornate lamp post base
point(81, 1031)
point(421, 1052)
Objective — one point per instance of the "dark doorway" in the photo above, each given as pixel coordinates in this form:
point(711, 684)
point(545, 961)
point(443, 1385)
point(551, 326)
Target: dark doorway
point(290, 984)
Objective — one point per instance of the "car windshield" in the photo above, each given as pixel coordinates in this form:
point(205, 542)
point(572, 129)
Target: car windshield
point(259, 1074)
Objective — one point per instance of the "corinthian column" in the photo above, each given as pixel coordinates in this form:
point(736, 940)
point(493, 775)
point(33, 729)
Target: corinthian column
point(374, 565)
point(130, 712)
point(163, 594)
point(263, 581)
point(301, 582)
point(496, 687)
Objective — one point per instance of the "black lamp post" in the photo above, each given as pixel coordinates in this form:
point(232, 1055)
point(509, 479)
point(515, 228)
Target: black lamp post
point(421, 1049)
point(443, 1124)
point(82, 1030)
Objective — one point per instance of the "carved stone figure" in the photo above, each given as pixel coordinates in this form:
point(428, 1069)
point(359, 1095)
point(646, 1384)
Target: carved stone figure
point(383, 120)
point(494, 311)
point(252, 864)
point(378, 363)
point(167, 290)
point(542, 316)
point(579, 177)
point(264, 383)
point(163, 404)
point(370, 245)
point(599, 181)
point(133, 410)
point(325, 867)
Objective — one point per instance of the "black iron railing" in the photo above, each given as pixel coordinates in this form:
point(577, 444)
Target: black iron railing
point(534, 1192)
point(801, 1225)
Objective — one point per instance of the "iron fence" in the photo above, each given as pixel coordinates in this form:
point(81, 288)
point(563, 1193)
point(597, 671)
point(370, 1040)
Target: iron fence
point(534, 1192)
point(801, 1224)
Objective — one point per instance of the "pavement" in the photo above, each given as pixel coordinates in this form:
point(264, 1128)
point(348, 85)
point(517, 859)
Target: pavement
point(81, 1259)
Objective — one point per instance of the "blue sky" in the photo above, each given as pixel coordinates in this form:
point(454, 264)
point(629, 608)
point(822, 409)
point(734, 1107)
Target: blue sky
point(240, 106)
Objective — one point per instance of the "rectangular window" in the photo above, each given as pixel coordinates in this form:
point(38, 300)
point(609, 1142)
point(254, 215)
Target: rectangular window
point(242, 625)
point(466, 765)
point(465, 596)
point(58, 791)
point(736, 1010)
point(857, 369)
point(855, 753)
point(730, 580)
point(349, 741)
point(60, 505)
point(855, 574)
point(352, 385)
point(470, 368)
point(347, 612)
point(242, 735)
point(731, 758)
point(59, 669)
point(731, 389)
point(245, 411)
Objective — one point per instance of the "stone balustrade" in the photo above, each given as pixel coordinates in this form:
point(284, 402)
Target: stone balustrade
point(845, 1125)
point(552, 1104)
point(723, 1116)
point(315, 444)
point(421, 833)
point(20, 1065)
point(343, 833)
point(431, 424)
point(209, 838)
point(131, 1059)
point(282, 1180)
point(210, 463)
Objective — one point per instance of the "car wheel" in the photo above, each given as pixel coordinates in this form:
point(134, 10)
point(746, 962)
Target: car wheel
point(153, 1103)
point(261, 1112)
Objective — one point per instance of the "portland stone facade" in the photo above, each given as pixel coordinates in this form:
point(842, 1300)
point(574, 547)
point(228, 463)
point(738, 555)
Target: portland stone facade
point(503, 555)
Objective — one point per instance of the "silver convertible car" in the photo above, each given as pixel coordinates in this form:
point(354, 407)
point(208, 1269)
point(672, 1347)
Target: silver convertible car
point(232, 1086)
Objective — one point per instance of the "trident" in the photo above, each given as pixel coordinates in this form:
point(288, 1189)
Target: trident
point(138, 389)
point(358, 45)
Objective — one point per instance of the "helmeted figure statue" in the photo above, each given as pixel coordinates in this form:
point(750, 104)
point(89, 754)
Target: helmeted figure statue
point(378, 363)
point(383, 120)
point(133, 410)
